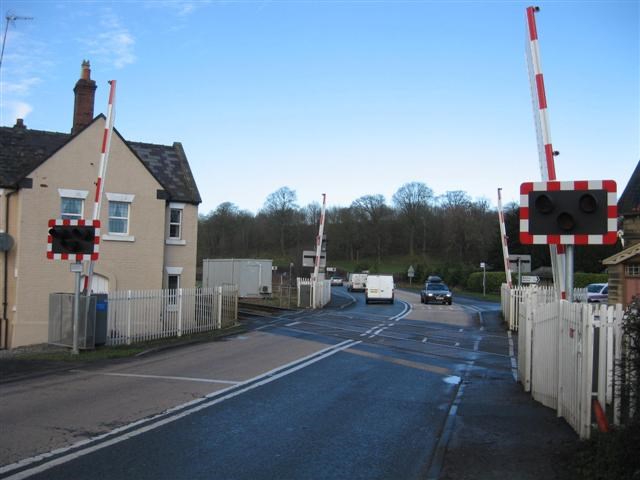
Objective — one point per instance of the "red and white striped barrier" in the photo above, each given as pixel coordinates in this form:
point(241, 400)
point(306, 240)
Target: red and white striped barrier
point(545, 149)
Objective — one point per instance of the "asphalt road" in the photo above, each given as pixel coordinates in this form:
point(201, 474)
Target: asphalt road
point(351, 391)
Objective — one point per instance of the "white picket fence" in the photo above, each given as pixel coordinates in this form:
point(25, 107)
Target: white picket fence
point(568, 354)
point(511, 300)
point(142, 315)
point(305, 293)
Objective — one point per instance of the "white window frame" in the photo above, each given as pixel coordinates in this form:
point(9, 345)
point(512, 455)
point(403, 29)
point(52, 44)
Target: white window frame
point(123, 198)
point(74, 194)
point(176, 240)
point(632, 270)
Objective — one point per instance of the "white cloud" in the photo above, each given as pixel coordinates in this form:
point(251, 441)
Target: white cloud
point(13, 109)
point(115, 45)
point(21, 87)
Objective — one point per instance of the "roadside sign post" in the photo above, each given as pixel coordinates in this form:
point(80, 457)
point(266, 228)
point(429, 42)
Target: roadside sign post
point(411, 273)
point(76, 268)
point(484, 278)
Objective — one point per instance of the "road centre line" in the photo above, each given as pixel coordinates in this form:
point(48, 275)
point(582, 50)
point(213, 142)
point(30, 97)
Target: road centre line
point(166, 377)
point(84, 447)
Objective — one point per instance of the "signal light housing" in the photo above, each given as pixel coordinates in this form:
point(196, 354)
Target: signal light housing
point(76, 240)
point(568, 213)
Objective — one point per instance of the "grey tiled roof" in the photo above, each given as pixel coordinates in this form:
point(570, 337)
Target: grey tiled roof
point(629, 201)
point(22, 150)
point(170, 167)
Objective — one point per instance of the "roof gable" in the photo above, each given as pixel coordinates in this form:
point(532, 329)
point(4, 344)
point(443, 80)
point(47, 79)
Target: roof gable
point(623, 255)
point(629, 202)
point(23, 150)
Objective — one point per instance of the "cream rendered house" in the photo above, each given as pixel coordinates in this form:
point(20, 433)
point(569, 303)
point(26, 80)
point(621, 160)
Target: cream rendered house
point(149, 215)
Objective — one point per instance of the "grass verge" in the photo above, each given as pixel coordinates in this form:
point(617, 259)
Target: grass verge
point(124, 351)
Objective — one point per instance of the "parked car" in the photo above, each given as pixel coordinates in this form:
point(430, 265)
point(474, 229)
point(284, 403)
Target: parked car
point(436, 292)
point(337, 281)
point(598, 292)
point(380, 288)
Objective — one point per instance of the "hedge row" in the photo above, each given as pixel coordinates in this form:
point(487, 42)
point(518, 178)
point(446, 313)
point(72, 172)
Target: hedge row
point(495, 279)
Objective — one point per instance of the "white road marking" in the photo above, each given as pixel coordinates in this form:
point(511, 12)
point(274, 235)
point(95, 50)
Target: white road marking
point(166, 377)
point(163, 418)
point(424, 340)
point(514, 362)
point(457, 344)
point(475, 345)
point(291, 324)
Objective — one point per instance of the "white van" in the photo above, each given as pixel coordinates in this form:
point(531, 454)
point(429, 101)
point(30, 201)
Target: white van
point(379, 289)
point(357, 282)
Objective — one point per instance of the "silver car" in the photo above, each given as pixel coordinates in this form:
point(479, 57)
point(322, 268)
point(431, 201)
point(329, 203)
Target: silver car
point(598, 292)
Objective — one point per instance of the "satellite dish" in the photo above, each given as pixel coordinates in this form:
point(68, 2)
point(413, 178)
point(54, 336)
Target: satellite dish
point(6, 242)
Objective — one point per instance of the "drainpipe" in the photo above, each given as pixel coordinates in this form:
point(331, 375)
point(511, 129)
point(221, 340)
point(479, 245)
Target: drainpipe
point(4, 326)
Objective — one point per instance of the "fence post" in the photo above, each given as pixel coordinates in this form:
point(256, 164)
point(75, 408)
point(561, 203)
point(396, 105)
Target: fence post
point(587, 372)
point(561, 333)
point(128, 317)
point(219, 308)
point(603, 334)
point(179, 300)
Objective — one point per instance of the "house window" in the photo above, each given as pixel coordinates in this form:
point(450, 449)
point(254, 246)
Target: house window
point(174, 231)
point(119, 218)
point(71, 208)
point(175, 223)
point(72, 203)
point(632, 270)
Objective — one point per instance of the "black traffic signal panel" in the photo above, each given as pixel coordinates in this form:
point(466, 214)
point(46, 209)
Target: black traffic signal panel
point(570, 212)
point(72, 239)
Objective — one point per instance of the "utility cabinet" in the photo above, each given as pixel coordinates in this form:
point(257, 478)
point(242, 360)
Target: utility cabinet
point(252, 276)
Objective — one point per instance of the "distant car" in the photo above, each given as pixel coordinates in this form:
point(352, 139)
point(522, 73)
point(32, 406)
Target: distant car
point(598, 292)
point(436, 292)
point(337, 281)
point(434, 279)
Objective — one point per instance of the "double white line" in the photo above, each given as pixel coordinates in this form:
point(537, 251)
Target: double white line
point(40, 463)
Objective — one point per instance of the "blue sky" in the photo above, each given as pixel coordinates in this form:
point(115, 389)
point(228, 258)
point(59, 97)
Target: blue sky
point(347, 98)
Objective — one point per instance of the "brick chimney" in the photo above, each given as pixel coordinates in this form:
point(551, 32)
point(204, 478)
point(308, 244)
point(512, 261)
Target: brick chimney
point(85, 92)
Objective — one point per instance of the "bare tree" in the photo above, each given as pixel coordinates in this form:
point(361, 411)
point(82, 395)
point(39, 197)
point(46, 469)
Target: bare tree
point(372, 209)
point(280, 207)
point(412, 201)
